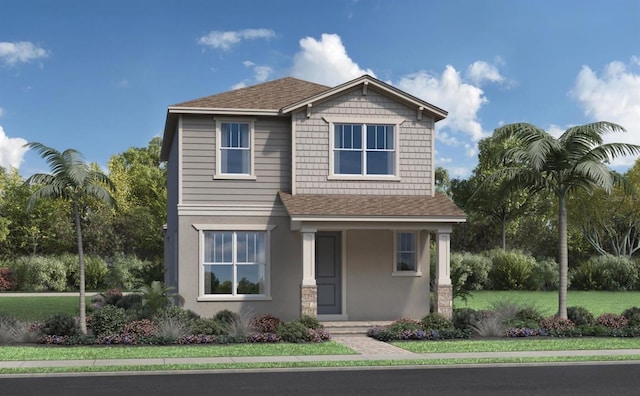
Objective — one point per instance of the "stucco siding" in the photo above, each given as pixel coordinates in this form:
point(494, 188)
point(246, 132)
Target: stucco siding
point(372, 292)
point(312, 146)
point(272, 157)
point(285, 268)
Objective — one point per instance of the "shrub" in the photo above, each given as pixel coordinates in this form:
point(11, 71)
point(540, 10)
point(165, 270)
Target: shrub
point(556, 326)
point(436, 321)
point(310, 322)
point(125, 272)
point(612, 321)
point(544, 275)
point(263, 337)
point(405, 324)
point(594, 331)
point(294, 332)
point(238, 327)
point(510, 269)
point(589, 275)
point(140, 328)
point(61, 324)
point(580, 316)
point(633, 316)
point(171, 328)
point(265, 323)
point(225, 316)
point(477, 269)
point(527, 317)
point(463, 318)
point(108, 320)
point(38, 273)
point(6, 279)
point(505, 309)
point(184, 315)
point(157, 296)
point(207, 326)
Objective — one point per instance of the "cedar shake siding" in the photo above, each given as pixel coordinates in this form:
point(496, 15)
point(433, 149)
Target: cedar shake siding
point(272, 162)
point(312, 146)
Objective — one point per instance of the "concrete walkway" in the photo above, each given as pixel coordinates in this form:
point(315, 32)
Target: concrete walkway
point(367, 348)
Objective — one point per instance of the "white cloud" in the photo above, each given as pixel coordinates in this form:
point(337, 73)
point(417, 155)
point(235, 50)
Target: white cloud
point(556, 130)
point(480, 71)
point(445, 138)
point(1, 112)
point(613, 96)
point(20, 52)
point(460, 172)
point(325, 61)
point(450, 92)
point(248, 63)
point(239, 85)
point(11, 150)
point(225, 40)
point(262, 73)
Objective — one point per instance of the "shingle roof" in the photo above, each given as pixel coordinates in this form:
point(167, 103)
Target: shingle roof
point(272, 95)
point(438, 206)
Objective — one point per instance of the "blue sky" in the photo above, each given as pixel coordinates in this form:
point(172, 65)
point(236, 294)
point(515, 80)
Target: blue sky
point(98, 76)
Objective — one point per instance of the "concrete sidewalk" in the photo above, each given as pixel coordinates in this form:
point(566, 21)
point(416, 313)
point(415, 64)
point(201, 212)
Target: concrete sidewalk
point(367, 348)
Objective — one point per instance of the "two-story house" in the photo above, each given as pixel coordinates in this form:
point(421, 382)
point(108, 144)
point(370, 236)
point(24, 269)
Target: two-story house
point(294, 198)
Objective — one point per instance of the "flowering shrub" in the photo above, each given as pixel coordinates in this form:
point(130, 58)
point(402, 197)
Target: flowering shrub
point(405, 324)
point(318, 335)
point(6, 279)
point(386, 333)
point(554, 323)
point(612, 321)
point(140, 328)
point(265, 323)
point(197, 339)
point(263, 337)
point(524, 332)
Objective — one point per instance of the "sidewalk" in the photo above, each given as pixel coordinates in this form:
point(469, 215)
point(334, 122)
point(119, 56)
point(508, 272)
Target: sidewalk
point(367, 348)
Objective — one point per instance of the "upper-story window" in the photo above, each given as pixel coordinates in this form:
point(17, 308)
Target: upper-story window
point(235, 153)
point(363, 150)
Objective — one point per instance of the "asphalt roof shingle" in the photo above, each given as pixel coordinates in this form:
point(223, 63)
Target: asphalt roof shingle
point(271, 95)
point(370, 206)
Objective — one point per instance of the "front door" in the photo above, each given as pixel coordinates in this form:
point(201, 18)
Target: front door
point(329, 273)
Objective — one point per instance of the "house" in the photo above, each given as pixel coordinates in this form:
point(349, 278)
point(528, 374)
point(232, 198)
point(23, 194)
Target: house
point(294, 198)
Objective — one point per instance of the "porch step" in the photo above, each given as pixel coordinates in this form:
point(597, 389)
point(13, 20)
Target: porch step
point(352, 327)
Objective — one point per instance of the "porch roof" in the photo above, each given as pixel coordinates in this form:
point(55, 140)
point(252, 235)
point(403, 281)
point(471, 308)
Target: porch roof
point(312, 207)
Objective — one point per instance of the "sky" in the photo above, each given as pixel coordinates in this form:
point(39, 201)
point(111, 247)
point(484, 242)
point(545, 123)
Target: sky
point(98, 76)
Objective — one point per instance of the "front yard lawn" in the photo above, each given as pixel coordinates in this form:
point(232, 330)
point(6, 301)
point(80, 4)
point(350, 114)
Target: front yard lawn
point(519, 345)
point(11, 353)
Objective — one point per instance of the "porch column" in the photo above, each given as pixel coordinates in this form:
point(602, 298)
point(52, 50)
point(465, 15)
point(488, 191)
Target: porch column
point(308, 289)
point(443, 293)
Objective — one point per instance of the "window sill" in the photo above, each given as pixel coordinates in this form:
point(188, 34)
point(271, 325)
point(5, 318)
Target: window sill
point(233, 298)
point(365, 177)
point(228, 176)
point(407, 273)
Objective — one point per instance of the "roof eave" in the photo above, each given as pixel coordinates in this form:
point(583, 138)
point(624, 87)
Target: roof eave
point(224, 111)
point(383, 219)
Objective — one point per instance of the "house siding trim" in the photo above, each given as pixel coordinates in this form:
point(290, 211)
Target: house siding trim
point(180, 159)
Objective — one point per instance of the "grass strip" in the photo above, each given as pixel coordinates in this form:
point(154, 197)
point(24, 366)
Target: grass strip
point(11, 353)
point(519, 345)
point(321, 364)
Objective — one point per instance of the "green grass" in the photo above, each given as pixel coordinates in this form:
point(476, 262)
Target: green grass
point(321, 364)
point(518, 345)
point(40, 307)
point(597, 302)
point(10, 353)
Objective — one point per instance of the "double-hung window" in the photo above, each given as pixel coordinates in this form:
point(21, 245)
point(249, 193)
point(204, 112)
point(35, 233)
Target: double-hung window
point(234, 264)
point(234, 150)
point(363, 150)
point(406, 253)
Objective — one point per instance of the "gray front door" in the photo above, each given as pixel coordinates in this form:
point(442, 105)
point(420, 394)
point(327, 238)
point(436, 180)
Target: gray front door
point(329, 273)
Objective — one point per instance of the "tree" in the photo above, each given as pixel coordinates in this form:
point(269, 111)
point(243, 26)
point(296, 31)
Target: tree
point(442, 182)
point(73, 180)
point(577, 160)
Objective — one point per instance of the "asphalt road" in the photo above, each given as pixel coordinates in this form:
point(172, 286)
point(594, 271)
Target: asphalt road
point(608, 379)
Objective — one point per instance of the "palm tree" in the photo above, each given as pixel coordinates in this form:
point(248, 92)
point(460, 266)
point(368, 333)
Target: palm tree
point(73, 180)
point(576, 160)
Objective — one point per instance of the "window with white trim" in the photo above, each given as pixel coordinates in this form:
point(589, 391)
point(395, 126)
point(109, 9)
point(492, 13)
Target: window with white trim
point(234, 263)
point(234, 149)
point(364, 149)
point(406, 253)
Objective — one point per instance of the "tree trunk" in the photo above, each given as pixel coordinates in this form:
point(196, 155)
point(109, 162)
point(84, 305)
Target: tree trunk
point(83, 312)
point(504, 234)
point(563, 257)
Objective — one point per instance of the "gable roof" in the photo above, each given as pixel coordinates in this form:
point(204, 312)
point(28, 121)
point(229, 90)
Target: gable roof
point(436, 112)
point(312, 207)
